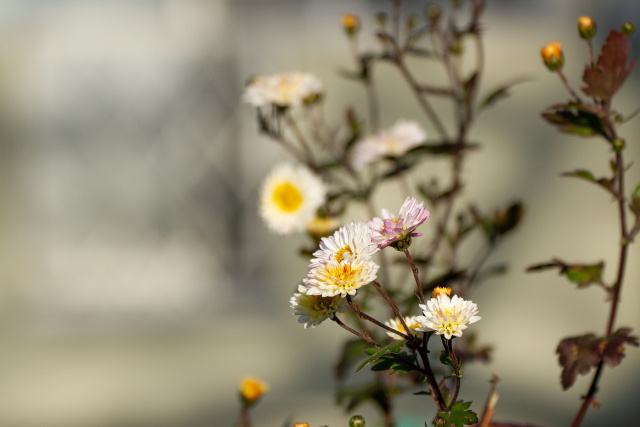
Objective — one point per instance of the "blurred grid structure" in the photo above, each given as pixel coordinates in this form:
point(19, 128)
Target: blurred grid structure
point(140, 285)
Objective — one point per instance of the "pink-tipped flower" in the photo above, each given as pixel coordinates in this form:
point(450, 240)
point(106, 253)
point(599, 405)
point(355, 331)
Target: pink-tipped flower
point(398, 231)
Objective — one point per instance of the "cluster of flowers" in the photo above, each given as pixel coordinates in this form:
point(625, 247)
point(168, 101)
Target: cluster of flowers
point(344, 263)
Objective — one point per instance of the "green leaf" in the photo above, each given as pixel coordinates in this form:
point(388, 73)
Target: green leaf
point(459, 415)
point(578, 119)
point(445, 359)
point(394, 347)
point(497, 94)
point(581, 274)
point(401, 364)
point(352, 352)
point(634, 204)
point(603, 79)
point(606, 183)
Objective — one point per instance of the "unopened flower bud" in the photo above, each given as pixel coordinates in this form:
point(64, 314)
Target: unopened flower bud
point(381, 18)
point(433, 14)
point(628, 28)
point(412, 21)
point(618, 144)
point(552, 56)
point(252, 389)
point(586, 27)
point(301, 425)
point(439, 291)
point(350, 23)
point(356, 421)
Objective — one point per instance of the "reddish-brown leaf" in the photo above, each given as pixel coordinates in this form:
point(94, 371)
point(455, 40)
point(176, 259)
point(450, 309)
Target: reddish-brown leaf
point(614, 349)
point(577, 355)
point(611, 70)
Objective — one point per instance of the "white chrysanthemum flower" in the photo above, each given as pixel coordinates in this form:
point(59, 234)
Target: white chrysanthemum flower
point(394, 142)
point(351, 242)
point(396, 324)
point(290, 197)
point(390, 229)
point(282, 90)
point(315, 309)
point(340, 278)
point(447, 316)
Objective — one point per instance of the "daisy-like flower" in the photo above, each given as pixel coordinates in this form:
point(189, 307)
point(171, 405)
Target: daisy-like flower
point(396, 324)
point(351, 242)
point(282, 90)
point(393, 142)
point(315, 309)
point(447, 316)
point(290, 197)
point(340, 278)
point(391, 229)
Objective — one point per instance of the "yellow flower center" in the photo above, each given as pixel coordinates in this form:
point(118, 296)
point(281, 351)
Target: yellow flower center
point(340, 254)
point(287, 197)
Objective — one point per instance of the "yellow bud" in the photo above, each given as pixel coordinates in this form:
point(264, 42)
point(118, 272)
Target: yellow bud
point(301, 425)
point(251, 389)
point(350, 23)
point(552, 56)
point(438, 291)
point(322, 226)
point(586, 27)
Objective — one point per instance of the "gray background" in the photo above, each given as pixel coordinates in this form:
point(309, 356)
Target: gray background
point(138, 284)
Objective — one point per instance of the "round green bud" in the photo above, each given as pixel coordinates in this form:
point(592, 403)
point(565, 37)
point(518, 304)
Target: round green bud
point(618, 144)
point(628, 28)
point(356, 421)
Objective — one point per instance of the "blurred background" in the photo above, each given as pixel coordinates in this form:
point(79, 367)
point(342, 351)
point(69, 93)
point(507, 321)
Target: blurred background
point(138, 284)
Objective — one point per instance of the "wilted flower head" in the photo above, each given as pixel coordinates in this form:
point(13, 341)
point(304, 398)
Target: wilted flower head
point(391, 229)
point(396, 324)
point(552, 56)
point(351, 242)
point(251, 389)
point(447, 316)
point(315, 309)
point(282, 90)
point(290, 197)
point(393, 142)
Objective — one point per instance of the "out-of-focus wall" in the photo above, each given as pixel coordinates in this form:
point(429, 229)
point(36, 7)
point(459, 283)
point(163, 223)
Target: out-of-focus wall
point(138, 284)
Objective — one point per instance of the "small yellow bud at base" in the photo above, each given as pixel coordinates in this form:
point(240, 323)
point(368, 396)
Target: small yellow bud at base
point(350, 23)
point(552, 56)
point(251, 389)
point(439, 291)
point(586, 27)
point(301, 425)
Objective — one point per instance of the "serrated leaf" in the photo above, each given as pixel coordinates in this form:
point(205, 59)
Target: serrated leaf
point(607, 75)
point(459, 415)
point(400, 364)
point(575, 118)
point(613, 351)
point(606, 183)
point(577, 355)
point(394, 347)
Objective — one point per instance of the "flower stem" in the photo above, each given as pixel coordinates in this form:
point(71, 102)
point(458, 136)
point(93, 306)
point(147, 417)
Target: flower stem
point(416, 275)
point(365, 316)
point(394, 307)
